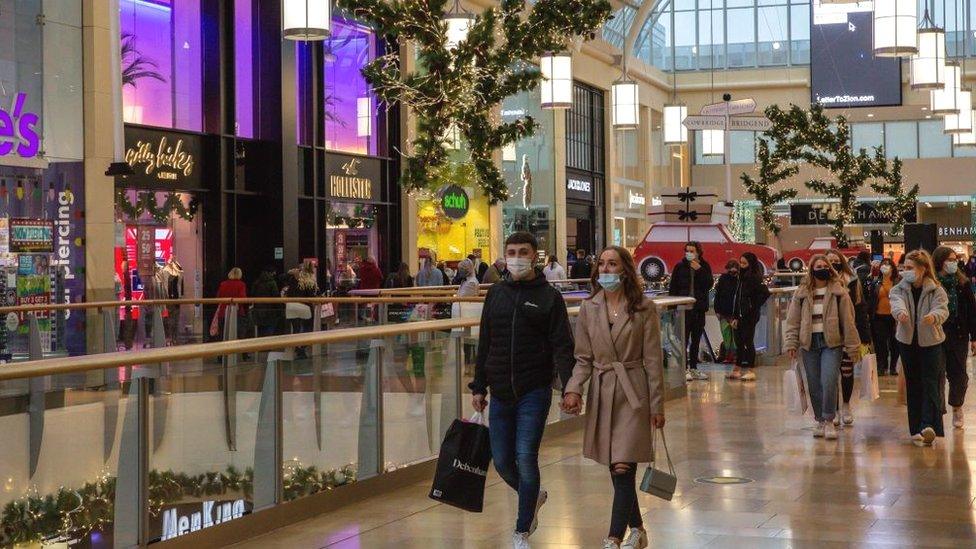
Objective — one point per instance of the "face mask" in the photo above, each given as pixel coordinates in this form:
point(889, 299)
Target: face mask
point(733, 272)
point(951, 268)
point(690, 256)
point(885, 269)
point(821, 274)
point(518, 267)
point(839, 267)
point(609, 281)
point(909, 276)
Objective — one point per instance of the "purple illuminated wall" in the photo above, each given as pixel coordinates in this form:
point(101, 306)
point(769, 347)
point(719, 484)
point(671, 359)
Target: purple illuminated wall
point(167, 40)
point(349, 48)
point(244, 66)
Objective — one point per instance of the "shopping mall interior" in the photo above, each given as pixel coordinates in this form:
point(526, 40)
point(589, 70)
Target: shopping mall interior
point(478, 273)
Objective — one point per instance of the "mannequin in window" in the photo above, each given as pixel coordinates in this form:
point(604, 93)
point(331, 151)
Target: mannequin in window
point(172, 283)
point(526, 177)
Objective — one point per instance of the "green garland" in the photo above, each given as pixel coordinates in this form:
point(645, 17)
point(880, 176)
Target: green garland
point(773, 169)
point(79, 512)
point(463, 86)
point(146, 202)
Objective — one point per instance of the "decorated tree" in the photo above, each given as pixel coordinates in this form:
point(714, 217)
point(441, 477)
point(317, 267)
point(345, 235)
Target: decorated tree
point(773, 169)
point(461, 87)
point(902, 203)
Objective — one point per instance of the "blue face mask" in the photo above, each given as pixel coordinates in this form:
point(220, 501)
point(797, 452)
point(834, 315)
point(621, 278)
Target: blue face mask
point(609, 281)
point(908, 275)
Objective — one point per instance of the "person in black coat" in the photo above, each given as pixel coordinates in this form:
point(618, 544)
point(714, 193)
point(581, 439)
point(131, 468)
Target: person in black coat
point(692, 277)
point(724, 307)
point(582, 268)
point(750, 295)
point(960, 328)
point(862, 318)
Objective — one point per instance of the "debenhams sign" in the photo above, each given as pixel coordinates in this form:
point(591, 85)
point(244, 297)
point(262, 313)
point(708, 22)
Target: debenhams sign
point(354, 178)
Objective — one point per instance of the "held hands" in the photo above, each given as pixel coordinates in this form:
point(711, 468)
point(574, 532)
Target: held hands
point(657, 421)
point(572, 403)
point(479, 403)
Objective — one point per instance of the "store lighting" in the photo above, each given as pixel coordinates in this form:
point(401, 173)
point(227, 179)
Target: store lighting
point(674, 131)
point(962, 122)
point(928, 65)
point(459, 22)
point(713, 142)
point(452, 138)
point(364, 117)
point(966, 139)
point(944, 101)
point(306, 19)
point(557, 81)
point(625, 103)
point(895, 28)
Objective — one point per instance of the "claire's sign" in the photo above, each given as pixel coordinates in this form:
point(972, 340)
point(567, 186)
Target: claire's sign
point(18, 129)
point(161, 158)
point(31, 235)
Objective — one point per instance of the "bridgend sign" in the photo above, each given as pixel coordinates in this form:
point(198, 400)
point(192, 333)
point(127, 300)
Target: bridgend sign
point(211, 513)
point(18, 130)
point(454, 202)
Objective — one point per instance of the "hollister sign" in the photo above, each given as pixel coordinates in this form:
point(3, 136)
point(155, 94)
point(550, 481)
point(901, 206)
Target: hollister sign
point(163, 158)
point(354, 178)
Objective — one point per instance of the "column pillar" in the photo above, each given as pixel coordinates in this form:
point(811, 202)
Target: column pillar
point(559, 171)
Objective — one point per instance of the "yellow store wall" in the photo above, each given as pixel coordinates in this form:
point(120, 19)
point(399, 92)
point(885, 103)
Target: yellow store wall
point(453, 240)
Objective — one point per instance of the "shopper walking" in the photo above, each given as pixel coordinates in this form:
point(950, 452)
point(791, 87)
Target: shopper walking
point(959, 327)
point(232, 287)
point(301, 284)
point(524, 338)
point(581, 270)
point(820, 323)
point(882, 323)
point(618, 355)
point(370, 275)
point(750, 295)
point(401, 278)
point(862, 319)
point(692, 277)
point(496, 272)
point(429, 274)
point(553, 270)
point(724, 307)
point(920, 306)
point(266, 316)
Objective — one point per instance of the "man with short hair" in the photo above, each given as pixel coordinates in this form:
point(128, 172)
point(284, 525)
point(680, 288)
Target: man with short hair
point(524, 338)
point(582, 268)
point(495, 273)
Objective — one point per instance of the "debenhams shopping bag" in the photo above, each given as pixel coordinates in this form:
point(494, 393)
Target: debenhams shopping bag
point(463, 465)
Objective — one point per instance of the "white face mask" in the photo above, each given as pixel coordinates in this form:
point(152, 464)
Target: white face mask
point(885, 269)
point(518, 267)
point(951, 267)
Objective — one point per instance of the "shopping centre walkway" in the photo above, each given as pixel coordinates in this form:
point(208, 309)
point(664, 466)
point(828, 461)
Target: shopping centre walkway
point(870, 488)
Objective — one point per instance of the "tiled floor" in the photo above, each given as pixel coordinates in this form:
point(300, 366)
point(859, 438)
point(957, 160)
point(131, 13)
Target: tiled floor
point(871, 488)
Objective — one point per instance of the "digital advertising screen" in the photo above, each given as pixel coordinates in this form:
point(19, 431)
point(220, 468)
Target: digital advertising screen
point(843, 69)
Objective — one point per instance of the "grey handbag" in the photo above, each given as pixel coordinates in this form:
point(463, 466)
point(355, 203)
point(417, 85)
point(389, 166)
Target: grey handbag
point(656, 482)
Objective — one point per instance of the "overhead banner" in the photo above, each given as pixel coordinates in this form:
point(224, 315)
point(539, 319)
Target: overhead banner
point(867, 213)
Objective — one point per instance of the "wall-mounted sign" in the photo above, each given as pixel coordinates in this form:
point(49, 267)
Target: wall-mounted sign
point(580, 187)
point(454, 201)
point(355, 178)
point(867, 213)
point(161, 158)
point(31, 235)
point(635, 198)
point(18, 129)
point(186, 518)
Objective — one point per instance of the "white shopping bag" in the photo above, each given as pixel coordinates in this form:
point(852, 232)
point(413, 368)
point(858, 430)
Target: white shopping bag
point(870, 388)
point(794, 390)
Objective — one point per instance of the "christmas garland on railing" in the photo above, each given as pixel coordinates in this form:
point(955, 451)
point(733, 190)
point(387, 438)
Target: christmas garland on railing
point(75, 513)
point(146, 202)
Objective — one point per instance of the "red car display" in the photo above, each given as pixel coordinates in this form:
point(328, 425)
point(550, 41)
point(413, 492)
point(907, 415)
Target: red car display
point(796, 260)
point(664, 246)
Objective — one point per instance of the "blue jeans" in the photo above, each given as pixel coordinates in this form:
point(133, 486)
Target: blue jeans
point(822, 365)
point(516, 428)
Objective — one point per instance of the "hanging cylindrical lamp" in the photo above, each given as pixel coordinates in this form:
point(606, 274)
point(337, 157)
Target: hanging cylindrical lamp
point(713, 142)
point(364, 116)
point(625, 104)
point(961, 122)
point(557, 81)
point(966, 139)
point(928, 65)
point(895, 28)
point(459, 22)
point(675, 132)
point(306, 19)
point(945, 100)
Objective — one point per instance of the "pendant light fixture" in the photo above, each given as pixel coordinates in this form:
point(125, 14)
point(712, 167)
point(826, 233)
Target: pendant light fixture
point(364, 116)
point(966, 139)
point(928, 65)
point(961, 122)
point(459, 22)
point(675, 133)
point(713, 142)
point(944, 101)
point(306, 19)
point(624, 96)
point(895, 28)
point(557, 81)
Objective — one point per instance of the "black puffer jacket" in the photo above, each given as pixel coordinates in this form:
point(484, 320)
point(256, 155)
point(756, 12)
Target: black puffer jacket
point(962, 325)
point(750, 295)
point(525, 335)
point(682, 278)
point(862, 314)
point(725, 294)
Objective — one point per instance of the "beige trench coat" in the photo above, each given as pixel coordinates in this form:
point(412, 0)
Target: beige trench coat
point(624, 368)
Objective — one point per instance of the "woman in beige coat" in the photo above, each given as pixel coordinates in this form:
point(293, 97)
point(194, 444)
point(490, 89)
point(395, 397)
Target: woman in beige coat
point(618, 352)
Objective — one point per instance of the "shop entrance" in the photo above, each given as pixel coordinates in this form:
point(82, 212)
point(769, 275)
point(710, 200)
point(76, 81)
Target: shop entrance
point(580, 231)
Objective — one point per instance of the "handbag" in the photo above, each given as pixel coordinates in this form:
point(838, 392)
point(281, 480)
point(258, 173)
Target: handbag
point(656, 482)
point(462, 465)
point(870, 389)
point(215, 325)
point(298, 311)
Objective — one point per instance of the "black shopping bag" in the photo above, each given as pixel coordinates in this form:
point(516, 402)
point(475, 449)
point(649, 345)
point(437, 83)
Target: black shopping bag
point(463, 465)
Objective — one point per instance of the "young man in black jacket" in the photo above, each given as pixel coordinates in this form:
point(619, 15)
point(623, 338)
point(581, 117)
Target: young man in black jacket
point(692, 277)
point(525, 338)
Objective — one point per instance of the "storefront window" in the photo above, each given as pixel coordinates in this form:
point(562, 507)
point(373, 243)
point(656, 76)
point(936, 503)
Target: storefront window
point(529, 173)
point(244, 67)
point(628, 194)
point(350, 106)
point(162, 56)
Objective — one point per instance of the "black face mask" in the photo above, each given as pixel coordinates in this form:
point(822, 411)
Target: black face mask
point(821, 274)
point(734, 272)
point(837, 266)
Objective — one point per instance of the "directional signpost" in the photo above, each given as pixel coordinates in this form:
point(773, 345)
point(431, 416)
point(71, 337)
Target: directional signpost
point(725, 117)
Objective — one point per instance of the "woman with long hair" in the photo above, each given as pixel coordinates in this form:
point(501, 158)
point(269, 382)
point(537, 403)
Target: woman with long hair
point(920, 305)
point(750, 294)
point(820, 323)
point(960, 327)
point(862, 320)
point(724, 305)
point(876, 292)
point(618, 354)
point(692, 277)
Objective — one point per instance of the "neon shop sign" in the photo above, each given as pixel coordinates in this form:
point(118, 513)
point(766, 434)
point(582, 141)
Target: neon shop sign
point(18, 129)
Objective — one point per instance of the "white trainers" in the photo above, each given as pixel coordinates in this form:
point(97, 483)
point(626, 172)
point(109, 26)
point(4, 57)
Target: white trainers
point(957, 417)
point(917, 440)
point(520, 540)
point(818, 430)
point(749, 376)
point(928, 436)
point(610, 544)
point(699, 375)
point(846, 415)
point(539, 502)
point(836, 421)
point(830, 433)
point(636, 540)
point(688, 376)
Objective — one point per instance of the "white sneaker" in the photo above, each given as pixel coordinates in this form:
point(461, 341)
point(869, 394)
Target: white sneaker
point(957, 418)
point(830, 433)
point(636, 540)
point(610, 544)
point(818, 430)
point(539, 502)
point(749, 376)
point(520, 540)
point(846, 415)
point(836, 421)
point(917, 440)
point(699, 375)
point(688, 376)
point(928, 436)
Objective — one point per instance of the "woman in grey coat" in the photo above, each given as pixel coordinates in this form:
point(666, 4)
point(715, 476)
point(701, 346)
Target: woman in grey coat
point(920, 306)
